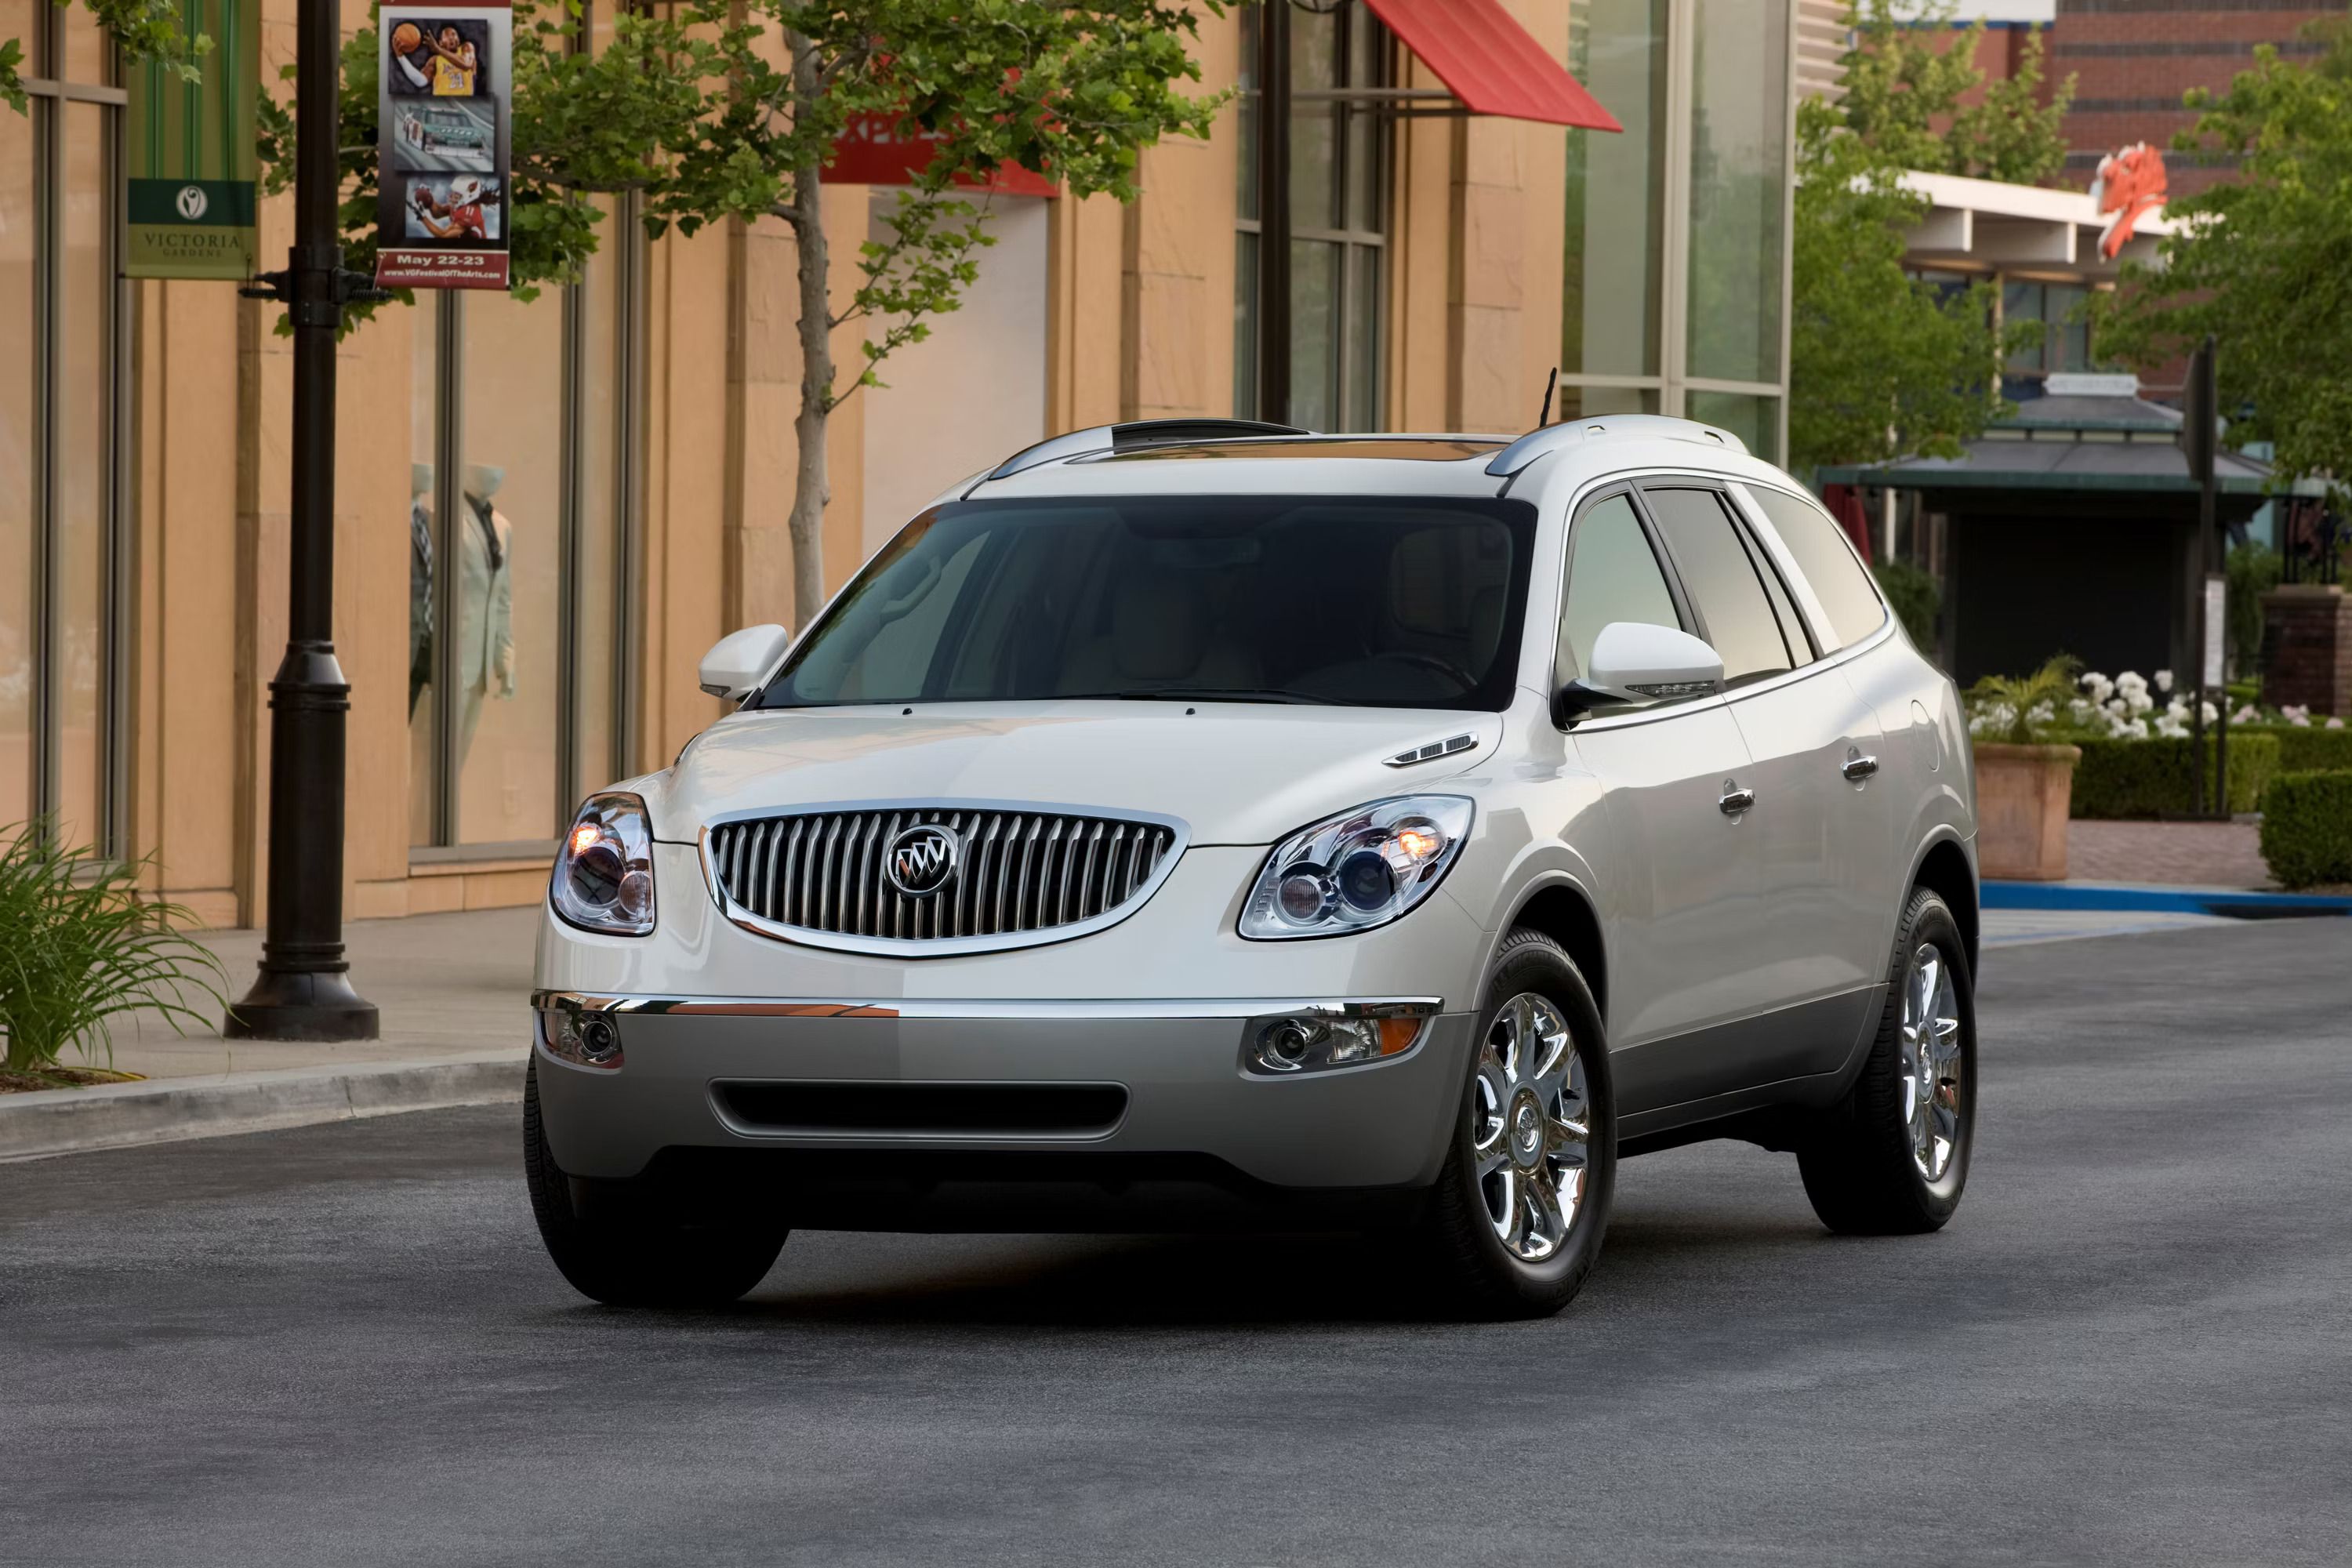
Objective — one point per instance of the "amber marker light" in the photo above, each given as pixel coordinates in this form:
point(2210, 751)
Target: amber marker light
point(584, 837)
point(1419, 843)
point(1398, 1035)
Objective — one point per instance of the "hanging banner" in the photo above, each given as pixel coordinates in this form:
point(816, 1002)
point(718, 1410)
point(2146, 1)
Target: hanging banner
point(443, 105)
point(189, 153)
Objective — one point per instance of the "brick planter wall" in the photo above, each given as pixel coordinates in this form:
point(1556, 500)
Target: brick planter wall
point(2307, 647)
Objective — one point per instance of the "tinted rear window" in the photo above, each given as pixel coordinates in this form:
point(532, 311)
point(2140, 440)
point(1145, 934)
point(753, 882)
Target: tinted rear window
point(1818, 545)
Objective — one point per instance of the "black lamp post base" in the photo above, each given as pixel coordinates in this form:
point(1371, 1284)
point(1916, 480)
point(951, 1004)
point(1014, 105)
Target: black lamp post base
point(314, 1005)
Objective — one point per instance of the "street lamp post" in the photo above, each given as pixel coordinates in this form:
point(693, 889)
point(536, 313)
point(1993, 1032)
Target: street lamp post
point(303, 991)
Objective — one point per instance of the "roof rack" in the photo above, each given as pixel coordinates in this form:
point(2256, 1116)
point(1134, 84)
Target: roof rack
point(1140, 433)
point(1574, 432)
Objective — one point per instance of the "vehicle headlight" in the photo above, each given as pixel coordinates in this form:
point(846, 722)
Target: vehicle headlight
point(1359, 869)
point(604, 872)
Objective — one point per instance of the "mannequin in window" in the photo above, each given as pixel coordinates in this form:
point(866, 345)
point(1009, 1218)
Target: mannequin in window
point(420, 581)
point(485, 602)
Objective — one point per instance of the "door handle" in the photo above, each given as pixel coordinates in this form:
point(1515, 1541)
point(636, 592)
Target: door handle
point(1858, 767)
point(1734, 799)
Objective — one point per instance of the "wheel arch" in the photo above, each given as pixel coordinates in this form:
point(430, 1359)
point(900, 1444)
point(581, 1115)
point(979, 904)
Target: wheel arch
point(1562, 908)
point(1945, 868)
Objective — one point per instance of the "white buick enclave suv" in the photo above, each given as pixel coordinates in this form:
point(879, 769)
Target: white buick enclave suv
point(1199, 822)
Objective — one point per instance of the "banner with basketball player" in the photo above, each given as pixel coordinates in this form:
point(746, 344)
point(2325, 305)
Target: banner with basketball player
point(444, 95)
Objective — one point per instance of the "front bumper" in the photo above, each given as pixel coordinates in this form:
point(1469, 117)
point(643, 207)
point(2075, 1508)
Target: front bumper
point(693, 1072)
point(702, 1004)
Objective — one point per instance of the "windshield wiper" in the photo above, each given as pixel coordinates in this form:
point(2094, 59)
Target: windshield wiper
point(1198, 694)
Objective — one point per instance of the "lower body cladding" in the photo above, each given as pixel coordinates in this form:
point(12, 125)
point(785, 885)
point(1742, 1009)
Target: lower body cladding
point(1005, 1116)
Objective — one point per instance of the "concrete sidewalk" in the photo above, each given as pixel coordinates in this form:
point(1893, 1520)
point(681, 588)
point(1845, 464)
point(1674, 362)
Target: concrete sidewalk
point(453, 991)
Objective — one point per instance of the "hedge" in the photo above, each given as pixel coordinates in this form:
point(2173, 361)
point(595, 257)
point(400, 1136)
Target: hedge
point(2307, 828)
point(2315, 750)
point(2151, 778)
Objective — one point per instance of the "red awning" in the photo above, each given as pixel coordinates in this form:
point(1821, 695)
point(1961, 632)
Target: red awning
point(879, 149)
point(1494, 65)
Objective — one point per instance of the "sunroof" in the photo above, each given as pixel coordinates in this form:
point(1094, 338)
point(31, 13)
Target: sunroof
point(1402, 448)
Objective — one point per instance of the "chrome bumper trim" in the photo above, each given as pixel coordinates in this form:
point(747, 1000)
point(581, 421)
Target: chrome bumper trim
point(1236, 1008)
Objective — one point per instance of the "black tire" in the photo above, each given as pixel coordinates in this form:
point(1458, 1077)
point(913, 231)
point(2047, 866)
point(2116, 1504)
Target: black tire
point(1476, 1273)
point(1858, 1161)
point(634, 1244)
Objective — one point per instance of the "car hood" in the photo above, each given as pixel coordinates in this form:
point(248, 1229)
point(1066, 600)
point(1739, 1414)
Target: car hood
point(1231, 772)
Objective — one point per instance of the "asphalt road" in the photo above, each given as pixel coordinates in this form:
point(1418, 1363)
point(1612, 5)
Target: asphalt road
point(342, 1344)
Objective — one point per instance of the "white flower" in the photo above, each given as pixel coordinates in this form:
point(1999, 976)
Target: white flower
point(2099, 686)
point(2245, 715)
point(2119, 707)
point(2301, 721)
point(2041, 713)
point(2164, 680)
point(2137, 729)
point(2210, 714)
point(2294, 714)
point(2170, 728)
point(2131, 684)
point(2333, 724)
point(2140, 700)
point(2081, 710)
point(2176, 708)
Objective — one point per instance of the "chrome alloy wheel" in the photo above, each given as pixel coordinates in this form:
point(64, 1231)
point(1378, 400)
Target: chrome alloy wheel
point(1931, 1064)
point(1531, 1128)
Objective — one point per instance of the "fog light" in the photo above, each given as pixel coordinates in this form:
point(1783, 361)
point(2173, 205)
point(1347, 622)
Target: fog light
point(582, 1038)
point(1333, 1035)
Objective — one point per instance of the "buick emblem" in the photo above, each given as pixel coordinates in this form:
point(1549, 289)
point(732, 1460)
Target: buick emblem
point(922, 860)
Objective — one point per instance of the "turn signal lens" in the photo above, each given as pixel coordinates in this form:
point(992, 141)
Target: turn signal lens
point(604, 880)
point(1398, 1035)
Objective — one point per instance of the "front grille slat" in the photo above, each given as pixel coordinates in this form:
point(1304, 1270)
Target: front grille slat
point(1019, 872)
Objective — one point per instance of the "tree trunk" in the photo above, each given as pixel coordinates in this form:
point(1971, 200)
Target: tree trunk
point(810, 487)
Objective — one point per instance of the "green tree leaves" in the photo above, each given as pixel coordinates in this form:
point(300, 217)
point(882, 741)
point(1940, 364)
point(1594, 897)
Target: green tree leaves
point(1881, 364)
point(2263, 262)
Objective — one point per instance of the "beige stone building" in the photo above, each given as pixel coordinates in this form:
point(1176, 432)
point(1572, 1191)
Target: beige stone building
point(547, 510)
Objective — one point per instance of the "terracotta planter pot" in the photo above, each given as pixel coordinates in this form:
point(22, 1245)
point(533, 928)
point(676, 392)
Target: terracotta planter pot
point(2023, 794)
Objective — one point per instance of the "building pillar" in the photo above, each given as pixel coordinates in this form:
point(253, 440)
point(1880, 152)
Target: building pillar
point(2307, 647)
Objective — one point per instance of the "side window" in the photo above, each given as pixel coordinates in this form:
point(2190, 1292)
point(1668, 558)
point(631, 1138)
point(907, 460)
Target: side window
point(1819, 547)
point(1784, 609)
point(1612, 575)
point(1720, 577)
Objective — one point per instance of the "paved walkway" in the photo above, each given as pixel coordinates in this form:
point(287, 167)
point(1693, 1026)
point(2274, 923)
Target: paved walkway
point(446, 985)
point(2188, 854)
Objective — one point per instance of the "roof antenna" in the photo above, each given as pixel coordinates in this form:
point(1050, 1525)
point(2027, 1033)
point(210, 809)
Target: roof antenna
point(1543, 416)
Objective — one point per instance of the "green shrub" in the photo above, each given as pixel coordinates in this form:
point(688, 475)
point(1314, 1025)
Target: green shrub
point(2307, 828)
point(2151, 778)
point(1916, 597)
point(81, 945)
point(2314, 750)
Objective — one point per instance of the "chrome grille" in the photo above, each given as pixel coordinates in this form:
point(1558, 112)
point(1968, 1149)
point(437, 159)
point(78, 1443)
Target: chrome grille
point(1020, 871)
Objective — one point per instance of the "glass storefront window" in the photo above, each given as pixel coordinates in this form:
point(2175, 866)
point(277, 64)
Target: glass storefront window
point(59, 439)
point(1616, 192)
point(518, 421)
point(505, 559)
point(19, 666)
point(1338, 216)
point(1755, 420)
point(83, 453)
point(1738, 188)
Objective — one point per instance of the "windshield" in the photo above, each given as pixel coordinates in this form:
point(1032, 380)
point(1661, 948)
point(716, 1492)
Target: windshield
point(1363, 601)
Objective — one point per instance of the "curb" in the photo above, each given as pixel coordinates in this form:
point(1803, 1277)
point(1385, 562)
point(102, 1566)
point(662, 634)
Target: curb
point(2139, 898)
point(164, 1111)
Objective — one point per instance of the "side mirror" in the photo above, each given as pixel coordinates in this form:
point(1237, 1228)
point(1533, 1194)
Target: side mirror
point(1636, 663)
point(738, 661)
